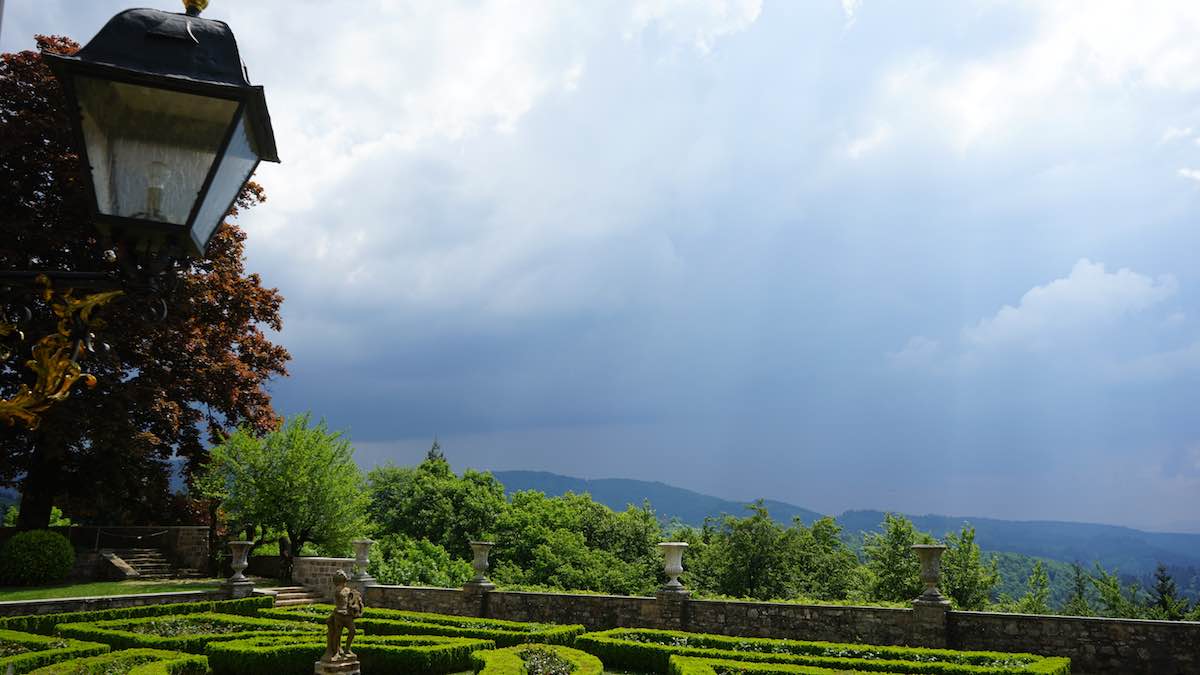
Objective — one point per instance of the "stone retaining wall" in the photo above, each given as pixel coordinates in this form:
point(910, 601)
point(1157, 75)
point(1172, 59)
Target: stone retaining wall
point(317, 573)
point(596, 612)
point(1095, 646)
point(869, 625)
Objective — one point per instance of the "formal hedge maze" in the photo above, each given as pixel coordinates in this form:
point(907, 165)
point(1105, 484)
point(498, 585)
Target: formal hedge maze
point(244, 637)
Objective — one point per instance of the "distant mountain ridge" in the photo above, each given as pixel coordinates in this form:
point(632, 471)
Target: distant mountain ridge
point(1130, 551)
point(667, 500)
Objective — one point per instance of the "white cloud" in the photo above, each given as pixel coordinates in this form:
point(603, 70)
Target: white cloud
point(862, 145)
point(850, 10)
point(1173, 133)
point(699, 23)
point(1077, 58)
point(1191, 174)
point(1088, 300)
point(919, 352)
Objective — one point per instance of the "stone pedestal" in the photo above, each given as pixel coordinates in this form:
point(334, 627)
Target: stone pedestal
point(672, 608)
point(237, 589)
point(930, 608)
point(343, 667)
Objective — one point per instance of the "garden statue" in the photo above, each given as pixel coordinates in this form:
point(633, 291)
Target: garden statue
point(347, 606)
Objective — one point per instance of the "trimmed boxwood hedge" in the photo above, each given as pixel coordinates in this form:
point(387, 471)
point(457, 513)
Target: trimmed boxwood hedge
point(117, 634)
point(138, 661)
point(378, 654)
point(651, 650)
point(44, 651)
point(509, 661)
point(693, 665)
point(378, 621)
point(44, 624)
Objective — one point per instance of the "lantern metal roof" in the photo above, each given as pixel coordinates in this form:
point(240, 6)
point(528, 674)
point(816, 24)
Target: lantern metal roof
point(174, 51)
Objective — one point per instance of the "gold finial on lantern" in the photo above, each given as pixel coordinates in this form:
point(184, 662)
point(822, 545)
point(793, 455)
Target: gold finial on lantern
point(194, 7)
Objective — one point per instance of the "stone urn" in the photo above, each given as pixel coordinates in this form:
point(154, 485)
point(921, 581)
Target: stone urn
point(362, 550)
point(673, 563)
point(239, 549)
point(930, 556)
point(481, 549)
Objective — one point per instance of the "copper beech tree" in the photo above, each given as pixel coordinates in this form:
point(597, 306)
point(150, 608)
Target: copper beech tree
point(165, 386)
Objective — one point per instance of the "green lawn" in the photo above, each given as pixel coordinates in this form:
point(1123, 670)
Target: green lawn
point(104, 588)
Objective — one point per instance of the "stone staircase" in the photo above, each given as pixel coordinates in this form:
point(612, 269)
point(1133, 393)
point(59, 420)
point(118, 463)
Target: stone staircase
point(290, 596)
point(150, 563)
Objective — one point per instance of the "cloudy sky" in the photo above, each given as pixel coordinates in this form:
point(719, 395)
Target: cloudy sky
point(922, 256)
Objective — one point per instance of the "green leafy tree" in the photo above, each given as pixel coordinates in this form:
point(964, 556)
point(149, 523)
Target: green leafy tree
point(824, 567)
point(1077, 604)
point(300, 479)
point(399, 559)
point(1037, 594)
point(749, 557)
point(430, 502)
point(893, 565)
point(573, 542)
point(57, 519)
point(1166, 603)
point(1116, 601)
point(965, 578)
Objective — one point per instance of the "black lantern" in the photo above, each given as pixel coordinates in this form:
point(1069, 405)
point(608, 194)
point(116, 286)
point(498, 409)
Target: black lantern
point(169, 127)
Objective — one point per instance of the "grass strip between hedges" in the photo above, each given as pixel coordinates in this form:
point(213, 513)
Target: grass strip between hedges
point(118, 633)
point(44, 650)
point(43, 624)
point(138, 661)
point(508, 661)
point(378, 621)
point(377, 654)
point(651, 650)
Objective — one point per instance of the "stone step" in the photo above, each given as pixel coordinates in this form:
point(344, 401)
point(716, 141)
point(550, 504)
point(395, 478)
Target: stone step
point(297, 602)
point(295, 595)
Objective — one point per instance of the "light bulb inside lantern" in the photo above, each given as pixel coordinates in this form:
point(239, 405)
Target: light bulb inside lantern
point(157, 174)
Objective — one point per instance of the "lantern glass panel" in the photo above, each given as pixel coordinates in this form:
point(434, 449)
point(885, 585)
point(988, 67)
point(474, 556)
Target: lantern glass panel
point(237, 164)
point(149, 149)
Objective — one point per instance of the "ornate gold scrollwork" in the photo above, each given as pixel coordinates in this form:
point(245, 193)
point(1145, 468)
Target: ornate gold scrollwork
point(55, 357)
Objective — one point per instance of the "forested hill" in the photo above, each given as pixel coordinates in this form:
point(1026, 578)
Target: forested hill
point(1121, 548)
point(1132, 552)
point(668, 501)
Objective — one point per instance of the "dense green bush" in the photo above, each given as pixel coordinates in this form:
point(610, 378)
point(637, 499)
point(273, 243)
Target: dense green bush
point(131, 661)
point(23, 652)
point(400, 559)
point(36, 557)
point(377, 654)
point(651, 650)
point(377, 621)
point(514, 660)
point(43, 624)
point(187, 632)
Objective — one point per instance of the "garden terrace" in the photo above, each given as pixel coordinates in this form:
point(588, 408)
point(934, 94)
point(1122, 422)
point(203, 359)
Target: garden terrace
point(23, 652)
point(651, 650)
point(399, 622)
point(425, 654)
point(186, 632)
